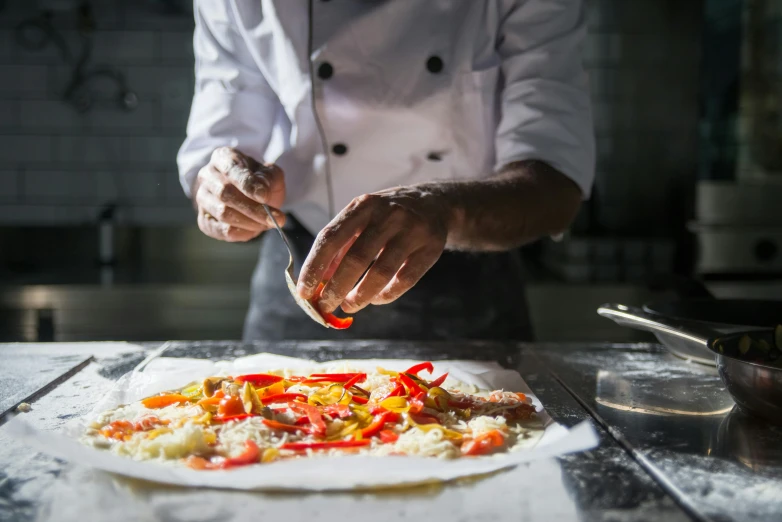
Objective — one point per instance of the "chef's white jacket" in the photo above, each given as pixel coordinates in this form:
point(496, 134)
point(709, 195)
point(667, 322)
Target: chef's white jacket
point(354, 96)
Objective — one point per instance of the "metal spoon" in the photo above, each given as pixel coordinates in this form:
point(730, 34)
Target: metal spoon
point(291, 279)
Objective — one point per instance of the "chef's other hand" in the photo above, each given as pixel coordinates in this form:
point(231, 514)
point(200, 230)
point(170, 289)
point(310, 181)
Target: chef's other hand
point(229, 193)
point(400, 232)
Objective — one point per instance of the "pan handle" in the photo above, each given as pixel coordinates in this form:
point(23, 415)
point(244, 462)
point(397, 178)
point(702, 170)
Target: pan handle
point(640, 320)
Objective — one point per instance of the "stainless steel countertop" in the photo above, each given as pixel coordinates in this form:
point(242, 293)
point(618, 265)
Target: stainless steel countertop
point(604, 484)
point(679, 422)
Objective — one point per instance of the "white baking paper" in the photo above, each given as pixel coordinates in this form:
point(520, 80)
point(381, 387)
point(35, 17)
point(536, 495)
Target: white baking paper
point(317, 474)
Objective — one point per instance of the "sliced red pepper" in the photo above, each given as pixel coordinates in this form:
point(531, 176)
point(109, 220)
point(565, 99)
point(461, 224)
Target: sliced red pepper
point(233, 418)
point(313, 414)
point(438, 381)
point(424, 418)
point(290, 428)
point(283, 397)
point(259, 380)
point(337, 410)
point(301, 446)
point(378, 423)
point(302, 421)
point(398, 391)
point(388, 436)
point(296, 378)
point(413, 370)
point(361, 377)
point(251, 455)
point(484, 444)
point(346, 378)
point(340, 323)
point(360, 400)
point(412, 388)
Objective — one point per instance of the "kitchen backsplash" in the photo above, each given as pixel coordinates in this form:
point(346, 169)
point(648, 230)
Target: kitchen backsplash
point(61, 166)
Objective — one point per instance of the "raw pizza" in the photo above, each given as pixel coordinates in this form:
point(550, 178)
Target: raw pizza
point(229, 421)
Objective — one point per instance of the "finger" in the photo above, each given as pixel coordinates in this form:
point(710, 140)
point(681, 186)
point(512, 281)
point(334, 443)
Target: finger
point(232, 197)
point(378, 276)
point(275, 178)
point(336, 261)
point(243, 172)
point(333, 238)
point(353, 265)
point(222, 231)
point(406, 278)
point(219, 210)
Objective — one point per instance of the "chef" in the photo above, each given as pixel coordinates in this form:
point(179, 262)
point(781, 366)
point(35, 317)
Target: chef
point(409, 146)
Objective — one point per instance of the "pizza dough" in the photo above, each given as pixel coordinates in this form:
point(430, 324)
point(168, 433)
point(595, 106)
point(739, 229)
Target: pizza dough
point(227, 421)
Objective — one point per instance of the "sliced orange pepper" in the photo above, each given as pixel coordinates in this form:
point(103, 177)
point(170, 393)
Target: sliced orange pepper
point(388, 436)
point(484, 444)
point(313, 414)
point(302, 446)
point(214, 400)
point(291, 428)
point(275, 389)
point(161, 401)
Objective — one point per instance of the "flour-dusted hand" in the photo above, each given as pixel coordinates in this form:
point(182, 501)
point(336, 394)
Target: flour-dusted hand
point(229, 194)
point(400, 232)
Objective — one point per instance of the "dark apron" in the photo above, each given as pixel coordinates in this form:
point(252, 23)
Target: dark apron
point(464, 296)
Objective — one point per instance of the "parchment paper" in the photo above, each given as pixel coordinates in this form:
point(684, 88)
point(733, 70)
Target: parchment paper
point(315, 474)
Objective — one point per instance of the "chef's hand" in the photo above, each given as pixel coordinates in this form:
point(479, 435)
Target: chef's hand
point(400, 232)
point(229, 192)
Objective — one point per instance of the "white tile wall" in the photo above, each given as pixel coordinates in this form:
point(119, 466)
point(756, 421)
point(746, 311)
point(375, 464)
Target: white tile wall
point(142, 187)
point(59, 166)
point(59, 186)
point(131, 47)
point(9, 185)
point(643, 59)
point(23, 81)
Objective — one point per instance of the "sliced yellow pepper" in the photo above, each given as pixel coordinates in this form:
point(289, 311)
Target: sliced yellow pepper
point(270, 455)
point(396, 404)
point(153, 434)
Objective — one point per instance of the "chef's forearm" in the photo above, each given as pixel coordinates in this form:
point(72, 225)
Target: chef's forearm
point(525, 201)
